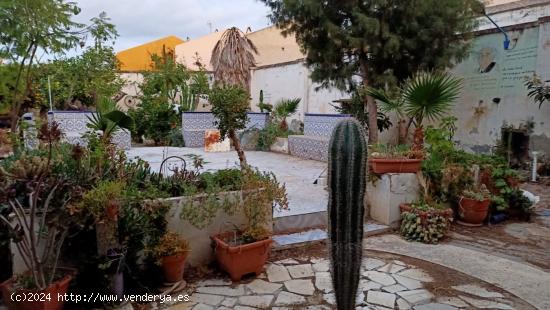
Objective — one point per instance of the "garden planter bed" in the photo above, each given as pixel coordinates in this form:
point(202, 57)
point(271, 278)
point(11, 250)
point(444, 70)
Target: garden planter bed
point(242, 259)
point(40, 301)
point(387, 165)
point(199, 239)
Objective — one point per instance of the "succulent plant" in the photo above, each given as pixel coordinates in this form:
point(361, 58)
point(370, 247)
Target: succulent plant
point(347, 170)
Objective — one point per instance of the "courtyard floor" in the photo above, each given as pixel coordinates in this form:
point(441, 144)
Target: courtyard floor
point(504, 266)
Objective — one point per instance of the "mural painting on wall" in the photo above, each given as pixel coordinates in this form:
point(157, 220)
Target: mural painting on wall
point(490, 71)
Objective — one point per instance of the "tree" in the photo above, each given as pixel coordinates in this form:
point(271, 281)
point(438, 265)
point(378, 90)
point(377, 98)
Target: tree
point(376, 43)
point(166, 91)
point(538, 90)
point(41, 25)
point(84, 78)
point(230, 106)
point(232, 59)
point(426, 96)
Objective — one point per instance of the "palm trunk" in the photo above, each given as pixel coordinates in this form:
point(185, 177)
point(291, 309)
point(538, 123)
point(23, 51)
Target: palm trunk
point(238, 149)
point(418, 139)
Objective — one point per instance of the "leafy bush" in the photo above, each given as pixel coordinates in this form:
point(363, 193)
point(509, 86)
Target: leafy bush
point(170, 244)
point(269, 134)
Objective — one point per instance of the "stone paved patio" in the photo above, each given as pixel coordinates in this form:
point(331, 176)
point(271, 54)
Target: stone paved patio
point(305, 283)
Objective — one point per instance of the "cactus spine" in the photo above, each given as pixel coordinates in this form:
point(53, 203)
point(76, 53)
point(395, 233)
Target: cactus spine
point(347, 168)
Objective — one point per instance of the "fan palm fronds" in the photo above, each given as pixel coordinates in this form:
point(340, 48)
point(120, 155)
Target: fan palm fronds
point(232, 58)
point(284, 109)
point(430, 95)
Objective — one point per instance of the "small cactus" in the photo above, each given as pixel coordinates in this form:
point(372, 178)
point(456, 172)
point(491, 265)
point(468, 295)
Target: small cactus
point(347, 168)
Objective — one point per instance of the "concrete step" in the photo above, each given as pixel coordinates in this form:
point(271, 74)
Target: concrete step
point(301, 238)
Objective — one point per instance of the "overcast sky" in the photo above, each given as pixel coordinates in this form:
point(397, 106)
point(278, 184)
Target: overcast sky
point(140, 21)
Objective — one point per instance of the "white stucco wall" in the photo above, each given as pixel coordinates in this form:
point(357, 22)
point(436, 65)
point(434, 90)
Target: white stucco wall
point(292, 81)
point(131, 88)
point(497, 98)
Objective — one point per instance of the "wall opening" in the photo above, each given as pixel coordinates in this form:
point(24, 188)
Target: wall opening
point(515, 143)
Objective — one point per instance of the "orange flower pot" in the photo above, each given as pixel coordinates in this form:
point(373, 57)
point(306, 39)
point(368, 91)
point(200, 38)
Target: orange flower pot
point(387, 165)
point(173, 267)
point(473, 212)
point(242, 259)
point(46, 299)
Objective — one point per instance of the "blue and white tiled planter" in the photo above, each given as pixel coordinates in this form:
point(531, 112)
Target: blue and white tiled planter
point(73, 124)
point(313, 144)
point(194, 124)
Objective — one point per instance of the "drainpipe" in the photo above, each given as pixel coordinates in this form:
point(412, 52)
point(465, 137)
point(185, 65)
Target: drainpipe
point(506, 38)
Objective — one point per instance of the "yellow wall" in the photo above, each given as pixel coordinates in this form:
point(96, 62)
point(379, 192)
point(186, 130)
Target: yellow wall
point(139, 58)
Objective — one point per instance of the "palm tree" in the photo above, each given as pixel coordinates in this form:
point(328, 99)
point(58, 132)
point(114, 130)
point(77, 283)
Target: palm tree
point(232, 59)
point(284, 109)
point(426, 96)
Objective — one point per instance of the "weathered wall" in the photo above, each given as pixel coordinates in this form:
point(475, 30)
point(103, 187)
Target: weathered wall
point(292, 81)
point(494, 93)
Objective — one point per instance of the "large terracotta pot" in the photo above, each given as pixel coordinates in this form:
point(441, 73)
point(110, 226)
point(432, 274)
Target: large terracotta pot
point(387, 165)
point(473, 212)
point(173, 267)
point(242, 259)
point(40, 301)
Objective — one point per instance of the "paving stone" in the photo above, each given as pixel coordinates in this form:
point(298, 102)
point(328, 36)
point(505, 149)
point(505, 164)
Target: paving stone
point(277, 273)
point(214, 282)
point(280, 308)
point(394, 288)
point(207, 299)
point(435, 306)
point(261, 301)
point(229, 302)
point(381, 298)
point(224, 308)
point(402, 304)
point(202, 307)
point(416, 274)
point(180, 306)
point(391, 268)
point(477, 290)
point(485, 304)
point(300, 271)
point(367, 285)
point(409, 283)
point(288, 261)
point(330, 298)
point(452, 301)
point(359, 298)
point(318, 307)
point(302, 287)
point(398, 262)
point(415, 297)
point(222, 290)
point(323, 282)
point(372, 263)
point(380, 277)
point(243, 308)
point(261, 276)
point(262, 287)
point(321, 266)
point(289, 299)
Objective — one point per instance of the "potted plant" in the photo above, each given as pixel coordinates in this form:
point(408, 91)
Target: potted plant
point(38, 228)
point(395, 159)
point(246, 250)
point(171, 252)
point(425, 222)
point(473, 206)
point(425, 96)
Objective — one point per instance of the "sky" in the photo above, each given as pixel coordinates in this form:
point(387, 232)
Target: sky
point(141, 21)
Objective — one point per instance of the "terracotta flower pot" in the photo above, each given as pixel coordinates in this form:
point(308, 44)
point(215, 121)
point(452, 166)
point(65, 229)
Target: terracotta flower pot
point(173, 267)
point(473, 212)
point(42, 303)
point(112, 210)
point(387, 165)
point(242, 259)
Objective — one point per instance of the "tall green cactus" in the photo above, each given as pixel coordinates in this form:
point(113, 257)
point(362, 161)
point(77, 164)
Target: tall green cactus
point(347, 168)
